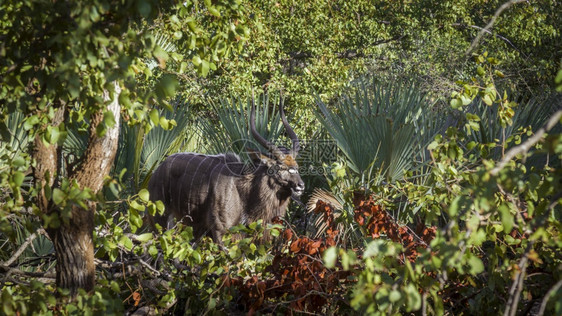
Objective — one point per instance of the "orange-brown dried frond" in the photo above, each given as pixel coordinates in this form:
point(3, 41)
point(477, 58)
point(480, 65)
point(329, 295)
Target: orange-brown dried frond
point(325, 197)
point(376, 221)
point(328, 213)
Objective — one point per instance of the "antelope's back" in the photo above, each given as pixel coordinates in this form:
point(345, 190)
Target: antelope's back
point(187, 182)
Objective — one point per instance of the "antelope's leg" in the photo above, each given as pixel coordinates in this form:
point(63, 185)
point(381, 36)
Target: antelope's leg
point(217, 237)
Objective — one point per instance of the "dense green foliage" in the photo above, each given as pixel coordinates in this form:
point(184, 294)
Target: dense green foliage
point(445, 197)
point(318, 47)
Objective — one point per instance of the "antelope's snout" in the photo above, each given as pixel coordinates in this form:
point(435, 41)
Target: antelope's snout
point(298, 189)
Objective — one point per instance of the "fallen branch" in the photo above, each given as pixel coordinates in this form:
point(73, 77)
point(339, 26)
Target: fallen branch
point(24, 246)
point(14, 271)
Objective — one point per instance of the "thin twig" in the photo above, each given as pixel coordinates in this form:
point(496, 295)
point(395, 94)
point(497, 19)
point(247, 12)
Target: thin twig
point(548, 295)
point(487, 28)
point(424, 304)
point(489, 32)
point(144, 263)
point(129, 265)
point(524, 147)
point(517, 286)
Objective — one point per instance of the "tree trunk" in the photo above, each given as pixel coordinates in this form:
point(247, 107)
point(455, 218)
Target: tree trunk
point(73, 239)
point(74, 251)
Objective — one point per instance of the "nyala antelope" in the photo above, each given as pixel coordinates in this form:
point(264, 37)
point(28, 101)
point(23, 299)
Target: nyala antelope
point(212, 193)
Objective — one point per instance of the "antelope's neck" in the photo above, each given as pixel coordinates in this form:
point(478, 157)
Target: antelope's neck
point(265, 198)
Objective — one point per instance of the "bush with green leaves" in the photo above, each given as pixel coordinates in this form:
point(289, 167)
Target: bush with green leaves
point(319, 47)
point(497, 243)
point(489, 184)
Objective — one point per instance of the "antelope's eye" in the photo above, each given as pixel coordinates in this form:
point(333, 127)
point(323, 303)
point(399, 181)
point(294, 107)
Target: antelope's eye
point(293, 171)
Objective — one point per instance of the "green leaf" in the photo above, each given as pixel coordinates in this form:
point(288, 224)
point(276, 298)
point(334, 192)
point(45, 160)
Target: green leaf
point(330, 256)
point(465, 99)
point(30, 122)
point(167, 86)
point(164, 122)
point(558, 78)
point(480, 71)
point(154, 116)
point(58, 196)
point(115, 287)
point(144, 8)
point(275, 232)
point(456, 103)
point(379, 247)
point(204, 68)
point(348, 258)
point(472, 117)
point(18, 178)
point(506, 218)
point(18, 161)
point(135, 205)
point(144, 237)
point(454, 207)
point(413, 298)
point(52, 134)
point(214, 11)
point(234, 252)
point(487, 99)
point(165, 247)
point(475, 264)
point(152, 250)
point(108, 119)
point(478, 237)
point(160, 207)
point(144, 195)
point(126, 242)
point(394, 296)
point(196, 60)
point(473, 222)
point(196, 256)
point(558, 81)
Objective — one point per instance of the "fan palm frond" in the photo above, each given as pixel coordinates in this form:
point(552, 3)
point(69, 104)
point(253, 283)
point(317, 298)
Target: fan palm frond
point(230, 131)
point(533, 113)
point(385, 125)
point(15, 136)
point(140, 153)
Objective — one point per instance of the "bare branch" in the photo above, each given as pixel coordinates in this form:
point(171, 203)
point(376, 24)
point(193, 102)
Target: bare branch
point(10, 271)
point(524, 147)
point(503, 38)
point(548, 295)
point(517, 286)
point(487, 28)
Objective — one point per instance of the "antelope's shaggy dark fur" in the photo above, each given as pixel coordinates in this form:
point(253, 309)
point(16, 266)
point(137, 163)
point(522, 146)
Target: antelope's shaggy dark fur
point(214, 193)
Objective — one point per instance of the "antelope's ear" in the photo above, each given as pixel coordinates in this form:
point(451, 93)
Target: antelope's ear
point(267, 161)
point(254, 155)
